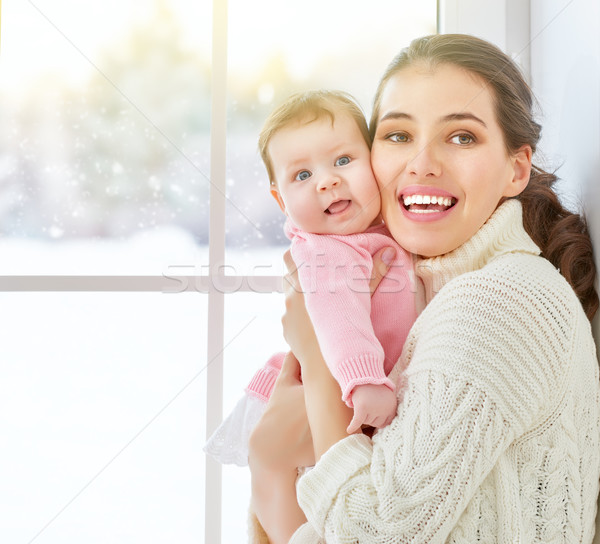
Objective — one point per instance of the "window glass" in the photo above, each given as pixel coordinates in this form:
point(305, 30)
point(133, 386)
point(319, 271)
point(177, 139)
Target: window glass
point(323, 45)
point(106, 109)
point(102, 417)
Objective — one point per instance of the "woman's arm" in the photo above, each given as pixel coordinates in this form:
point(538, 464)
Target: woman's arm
point(328, 415)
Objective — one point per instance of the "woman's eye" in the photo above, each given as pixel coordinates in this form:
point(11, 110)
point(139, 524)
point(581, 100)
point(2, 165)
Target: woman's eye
point(463, 139)
point(342, 161)
point(399, 137)
point(303, 175)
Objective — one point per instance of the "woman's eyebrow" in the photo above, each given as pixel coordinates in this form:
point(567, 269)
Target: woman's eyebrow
point(393, 115)
point(396, 115)
point(462, 117)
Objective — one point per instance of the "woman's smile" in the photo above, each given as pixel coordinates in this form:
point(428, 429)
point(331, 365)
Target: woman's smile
point(430, 203)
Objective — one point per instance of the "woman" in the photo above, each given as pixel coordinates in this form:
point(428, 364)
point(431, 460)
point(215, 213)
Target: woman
point(497, 435)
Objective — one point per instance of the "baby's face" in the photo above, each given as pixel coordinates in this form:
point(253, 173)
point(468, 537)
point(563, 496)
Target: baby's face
point(324, 179)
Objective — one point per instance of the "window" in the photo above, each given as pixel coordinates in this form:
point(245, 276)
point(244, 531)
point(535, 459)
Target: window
point(127, 328)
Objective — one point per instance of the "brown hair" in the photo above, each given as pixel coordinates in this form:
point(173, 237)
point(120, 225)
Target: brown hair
point(307, 107)
point(561, 235)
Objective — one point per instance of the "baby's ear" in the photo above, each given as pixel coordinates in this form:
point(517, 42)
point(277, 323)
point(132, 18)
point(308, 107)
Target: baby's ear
point(277, 196)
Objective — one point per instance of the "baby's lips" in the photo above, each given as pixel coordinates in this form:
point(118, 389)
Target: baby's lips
point(338, 206)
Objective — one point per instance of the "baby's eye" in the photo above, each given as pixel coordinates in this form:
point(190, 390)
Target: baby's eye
point(343, 161)
point(399, 137)
point(303, 175)
point(462, 139)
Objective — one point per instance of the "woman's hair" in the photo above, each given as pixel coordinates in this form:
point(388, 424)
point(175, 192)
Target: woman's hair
point(561, 235)
point(306, 107)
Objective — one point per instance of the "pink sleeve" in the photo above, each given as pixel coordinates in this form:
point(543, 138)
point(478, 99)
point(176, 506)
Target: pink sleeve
point(261, 384)
point(334, 276)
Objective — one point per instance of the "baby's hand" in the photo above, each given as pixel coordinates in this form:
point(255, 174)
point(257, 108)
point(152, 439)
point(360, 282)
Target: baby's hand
point(374, 405)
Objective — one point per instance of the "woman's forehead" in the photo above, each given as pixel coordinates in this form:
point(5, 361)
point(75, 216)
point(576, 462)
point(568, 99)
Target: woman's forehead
point(441, 90)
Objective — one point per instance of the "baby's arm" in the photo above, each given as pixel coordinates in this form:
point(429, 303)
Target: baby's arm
point(334, 274)
point(374, 405)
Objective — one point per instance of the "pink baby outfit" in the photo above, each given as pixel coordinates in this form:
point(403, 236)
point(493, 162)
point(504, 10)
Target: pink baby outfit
point(361, 336)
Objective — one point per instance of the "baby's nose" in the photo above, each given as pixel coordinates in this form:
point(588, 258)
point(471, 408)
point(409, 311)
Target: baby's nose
point(328, 182)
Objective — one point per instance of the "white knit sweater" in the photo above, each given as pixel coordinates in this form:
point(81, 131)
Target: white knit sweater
point(497, 436)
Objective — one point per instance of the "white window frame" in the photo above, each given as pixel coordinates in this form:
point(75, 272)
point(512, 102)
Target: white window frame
point(505, 22)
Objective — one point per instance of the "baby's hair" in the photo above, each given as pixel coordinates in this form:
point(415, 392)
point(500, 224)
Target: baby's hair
point(304, 108)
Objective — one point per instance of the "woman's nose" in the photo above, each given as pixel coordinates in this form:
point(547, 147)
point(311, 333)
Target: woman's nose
point(328, 182)
point(425, 163)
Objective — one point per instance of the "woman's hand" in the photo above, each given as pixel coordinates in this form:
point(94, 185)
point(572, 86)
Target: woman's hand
point(298, 330)
point(381, 264)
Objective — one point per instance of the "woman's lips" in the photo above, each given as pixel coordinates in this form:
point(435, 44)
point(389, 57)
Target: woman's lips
point(426, 203)
point(426, 200)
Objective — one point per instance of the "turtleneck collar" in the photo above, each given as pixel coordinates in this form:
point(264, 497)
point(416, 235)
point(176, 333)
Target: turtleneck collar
point(502, 233)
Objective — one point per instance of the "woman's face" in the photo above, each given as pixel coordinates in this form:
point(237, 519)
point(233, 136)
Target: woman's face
point(439, 158)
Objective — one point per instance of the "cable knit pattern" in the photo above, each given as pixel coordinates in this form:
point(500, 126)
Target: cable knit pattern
point(497, 437)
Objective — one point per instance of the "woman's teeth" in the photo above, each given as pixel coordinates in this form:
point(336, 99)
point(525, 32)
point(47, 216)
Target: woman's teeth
point(428, 203)
point(426, 199)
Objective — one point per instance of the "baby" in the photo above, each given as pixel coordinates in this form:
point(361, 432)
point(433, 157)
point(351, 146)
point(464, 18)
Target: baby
point(316, 149)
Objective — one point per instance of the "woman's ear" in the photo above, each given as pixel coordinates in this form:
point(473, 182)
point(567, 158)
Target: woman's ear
point(277, 196)
point(522, 171)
